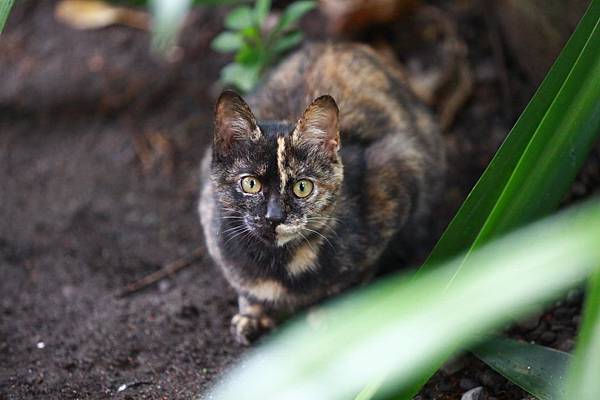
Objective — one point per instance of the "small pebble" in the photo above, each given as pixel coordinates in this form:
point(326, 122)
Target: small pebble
point(40, 345)
point(454, 365)
point(542, 327)
point(474, 394)
point(567, 345)
point(548, 337)
point(164, 285)
point(530, 323)
point(563, 313)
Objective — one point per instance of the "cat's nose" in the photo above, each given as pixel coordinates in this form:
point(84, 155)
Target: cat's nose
point(275, 214)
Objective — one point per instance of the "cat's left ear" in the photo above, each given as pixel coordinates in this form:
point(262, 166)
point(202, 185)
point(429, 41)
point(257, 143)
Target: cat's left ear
point(319, 125)
point(234, 121)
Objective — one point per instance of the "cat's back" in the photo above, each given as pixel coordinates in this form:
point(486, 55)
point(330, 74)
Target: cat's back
point(370, 90)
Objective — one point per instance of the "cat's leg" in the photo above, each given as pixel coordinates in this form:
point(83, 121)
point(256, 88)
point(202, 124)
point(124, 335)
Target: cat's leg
point(250, 322)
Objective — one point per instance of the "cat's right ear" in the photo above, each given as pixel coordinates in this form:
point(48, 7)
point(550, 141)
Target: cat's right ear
point(233, 121)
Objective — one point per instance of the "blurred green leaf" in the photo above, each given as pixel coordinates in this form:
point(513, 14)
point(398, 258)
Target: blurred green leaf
point(536, 164)
point(583, 381)
point(370, 390)
point(243, 77)
point(539, 370)
point(293, 13)
point(249, 55)
point(226, 42)
point(5, 7)
point(401, 328)
point(538, 161)
point(287, 42)
point(168, 16)
point(240, 18)
point(261, 10)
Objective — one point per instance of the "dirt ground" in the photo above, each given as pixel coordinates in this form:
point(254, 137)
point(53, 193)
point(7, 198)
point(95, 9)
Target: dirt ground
point(99, 145)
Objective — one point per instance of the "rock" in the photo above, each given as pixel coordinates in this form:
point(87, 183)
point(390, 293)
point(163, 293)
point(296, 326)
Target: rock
point(567, 345)
point(454, 365)
point(537, 332)
point(474, 394)
point(548, 337)
point(563, 313)
point(530, 323)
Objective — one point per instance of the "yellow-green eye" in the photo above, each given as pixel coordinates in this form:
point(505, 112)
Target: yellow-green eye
point(251, 185)
point(302, 188)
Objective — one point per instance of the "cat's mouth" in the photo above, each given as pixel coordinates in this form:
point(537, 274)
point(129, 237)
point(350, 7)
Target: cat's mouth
point(278, 236)
point(285, 233)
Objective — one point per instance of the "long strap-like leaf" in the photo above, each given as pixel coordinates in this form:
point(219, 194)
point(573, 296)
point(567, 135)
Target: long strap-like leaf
point(5, 7)
point(540, 157)
point(584, 374)
point(535, 166)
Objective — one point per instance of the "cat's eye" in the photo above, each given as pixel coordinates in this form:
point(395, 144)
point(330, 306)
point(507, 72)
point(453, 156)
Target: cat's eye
point(302, 188)
point(250, 184)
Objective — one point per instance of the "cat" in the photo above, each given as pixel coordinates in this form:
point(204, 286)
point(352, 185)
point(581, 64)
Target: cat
point(307, 184)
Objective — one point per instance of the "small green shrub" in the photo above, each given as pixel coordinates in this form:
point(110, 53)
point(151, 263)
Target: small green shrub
point(256, 42)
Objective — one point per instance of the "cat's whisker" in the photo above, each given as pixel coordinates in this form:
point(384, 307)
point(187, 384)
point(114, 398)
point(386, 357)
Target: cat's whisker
point(245, 230)
point(234, 229)
point(307, 241)
point(320, 234)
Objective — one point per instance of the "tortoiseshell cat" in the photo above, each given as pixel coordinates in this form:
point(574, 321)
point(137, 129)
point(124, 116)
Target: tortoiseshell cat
point(295, 210)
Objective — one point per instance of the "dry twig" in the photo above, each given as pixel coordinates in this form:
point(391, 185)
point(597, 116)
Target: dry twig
point(162, 273)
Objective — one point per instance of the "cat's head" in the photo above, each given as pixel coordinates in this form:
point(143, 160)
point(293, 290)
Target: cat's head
point(276, 182)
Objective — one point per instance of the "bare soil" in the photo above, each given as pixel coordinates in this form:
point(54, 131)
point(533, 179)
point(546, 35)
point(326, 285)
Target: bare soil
point(99, 146)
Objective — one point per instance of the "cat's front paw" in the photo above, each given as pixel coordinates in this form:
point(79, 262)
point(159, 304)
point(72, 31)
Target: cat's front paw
point(246, 328)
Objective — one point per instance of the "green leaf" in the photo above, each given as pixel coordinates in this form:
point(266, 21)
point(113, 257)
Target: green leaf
point(293, 13)
point(240, 18)
point(401, 328)
point(583, 382)
point(539, 159)
point(261, 10)
point(539, 370)
point(249, 55)
point(5, 7)
point(243, 77)
point(167, 18)
point(536, 164)
point(287, 42)
point(226, 42)
point(370, 390)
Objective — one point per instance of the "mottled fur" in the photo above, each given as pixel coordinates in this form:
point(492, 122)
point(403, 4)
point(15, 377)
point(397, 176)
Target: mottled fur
point(377, 165)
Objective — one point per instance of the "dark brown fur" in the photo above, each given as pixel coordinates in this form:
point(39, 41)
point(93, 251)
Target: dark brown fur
point(377, 165)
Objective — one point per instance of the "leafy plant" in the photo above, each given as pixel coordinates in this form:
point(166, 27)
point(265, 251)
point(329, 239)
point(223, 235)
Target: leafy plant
point(392, 329)
point(257, 41)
